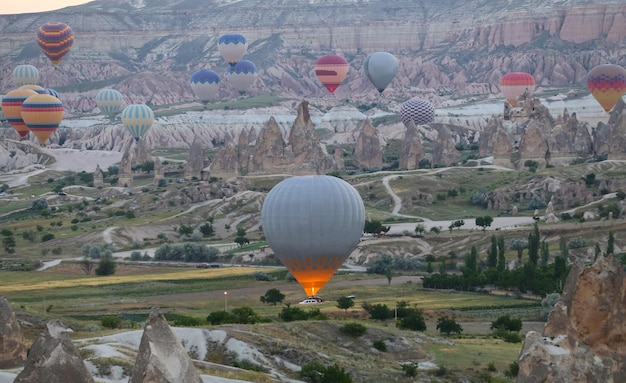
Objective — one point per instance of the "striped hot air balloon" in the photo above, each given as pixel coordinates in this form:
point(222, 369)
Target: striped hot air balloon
point(331, 70)
point(232, 47)
point(37, 88)
point(514, 84)
point(417, 110)
point(2, 118)
point(607, 84)
point(12, 108)
point(380, 68)
point(205, 83)
point(55, 41)
point(25, 75)
point(109, 101)
point(42, 113)
point(137, 118)
point(242, 75)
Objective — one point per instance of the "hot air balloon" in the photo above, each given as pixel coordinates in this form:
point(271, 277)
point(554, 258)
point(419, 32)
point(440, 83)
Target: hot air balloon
point(232, 47)
point(331, 70)
point(25, 75)
point(242, 75)
point(12, 108)
point(55, 40)
point(109, 101)
point(42, 113)
point(313, 223)
point(514, 84)
point(205, 83)
point(53, 92)
point(607, 84)
point(137, 118)
point(37, 88)
point(418, 110)
point(2, 118)
point(380, 68)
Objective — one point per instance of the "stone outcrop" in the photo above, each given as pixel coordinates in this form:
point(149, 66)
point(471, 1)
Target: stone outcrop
point(125, 175)
point(412, 152)
point(98, 177)
point(195, 161)
point(444, 147)
point(159, 174)
point(585, 337)
point(368, 153)
point(53, 358)
point(12, 349)
point(161, 357)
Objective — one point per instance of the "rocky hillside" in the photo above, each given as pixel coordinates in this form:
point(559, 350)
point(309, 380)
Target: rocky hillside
point(148, 49)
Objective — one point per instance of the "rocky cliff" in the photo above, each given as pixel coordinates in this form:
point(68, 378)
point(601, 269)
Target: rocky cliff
point(149, 49)
point(585, 337)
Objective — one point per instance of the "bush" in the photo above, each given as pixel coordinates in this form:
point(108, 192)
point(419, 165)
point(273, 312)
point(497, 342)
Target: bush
point(261, 276)
point(221, 317)
point(410, 369)
point(111, 322)
point(380, 345)
point(316, 372)
point(353, 329)
point(106, 266)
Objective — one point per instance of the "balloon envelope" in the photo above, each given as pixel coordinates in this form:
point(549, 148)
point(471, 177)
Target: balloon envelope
point(2, 119)
point(607, 84)
point(42, 113)
point(25, 75)
point(242, 75)
point(514, 84)
point(55, 41)
point(417, 110)
point(137, 118)
point(205, 83)
point(380, 68)
point(37, 88)
point(331, 70)
point(109, 101)
point(313, 223)
point(232, 47)
point(12, 108)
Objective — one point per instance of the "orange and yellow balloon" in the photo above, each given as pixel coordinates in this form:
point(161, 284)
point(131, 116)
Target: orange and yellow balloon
point(42, 113)
point(514, 84)
point(12, 107)
point(607, 84)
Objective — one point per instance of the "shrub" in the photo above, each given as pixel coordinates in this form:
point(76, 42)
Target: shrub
point(47, 237)
point(111, 322)
point(221, 317)
point(410, 369)
point(380, 345)
point(106, 266)
point(353, 329)
point(261, 276)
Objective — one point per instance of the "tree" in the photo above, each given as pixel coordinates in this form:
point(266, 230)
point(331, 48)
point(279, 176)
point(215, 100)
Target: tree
point(471, 263)
point(448, 326)
point(505, 322)
point(420, 229)
point(207, 229)
point(86, 265)
point(492, 253)
point(378, 311)
point(610, 245)
point(484, 221)
point(106, 266)
point(240, 238)
point(273, 296)
point(375, 227)
point(345, 303)
point(413, 321)
point(519, 245)
point(185, 230)
point(245, 315)
point(8, 242)
point(501, 266)
point(545, 254)
point(533, 245)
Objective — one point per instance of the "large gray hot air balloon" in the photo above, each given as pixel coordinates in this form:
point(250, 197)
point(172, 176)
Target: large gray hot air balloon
point(313, 223)
point(380, 68)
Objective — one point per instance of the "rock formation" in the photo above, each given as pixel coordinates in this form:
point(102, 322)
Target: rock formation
point(125, 175)
point(53, 358)
point(12, 349)
point(98, 177)
point(368, 153)
point(585, 337)
point(411, 153)
point(444, 146)
point(159, 174)
point(195, 161)
point(161, 357)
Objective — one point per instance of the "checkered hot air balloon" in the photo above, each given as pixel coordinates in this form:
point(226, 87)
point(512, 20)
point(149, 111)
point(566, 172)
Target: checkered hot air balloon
point(205, 83)
point(109, 101)
point(331, 70)
point(12, 107)
point(42, 114)
point(232, 47)
point(137, 119)
point(417, 110)
point(607, 84)
point(25, 75)
point(312, 224)
point(55, 41)
point(242, 75)
point(514, 84)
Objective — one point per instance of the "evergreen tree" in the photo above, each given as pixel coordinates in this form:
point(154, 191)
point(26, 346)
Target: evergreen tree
point(471, 263)
point(610, 245)
point(533, 245)
point(545, 254)
point(563, 247)
point(492, 253)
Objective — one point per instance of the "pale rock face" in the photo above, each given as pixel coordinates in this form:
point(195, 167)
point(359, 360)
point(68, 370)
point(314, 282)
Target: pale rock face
point(12, 348)
point(585, 337)
point(161, 357)
point(368, 152)
point(53, 358)
point(412, 151)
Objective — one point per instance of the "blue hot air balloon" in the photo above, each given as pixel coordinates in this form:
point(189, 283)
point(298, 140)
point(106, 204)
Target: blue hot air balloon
point(242, 75)
point(232, 47)
point(205, 84)
point(137, 118)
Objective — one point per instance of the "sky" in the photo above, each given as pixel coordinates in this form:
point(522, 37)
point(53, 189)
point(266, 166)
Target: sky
point(9, 7)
